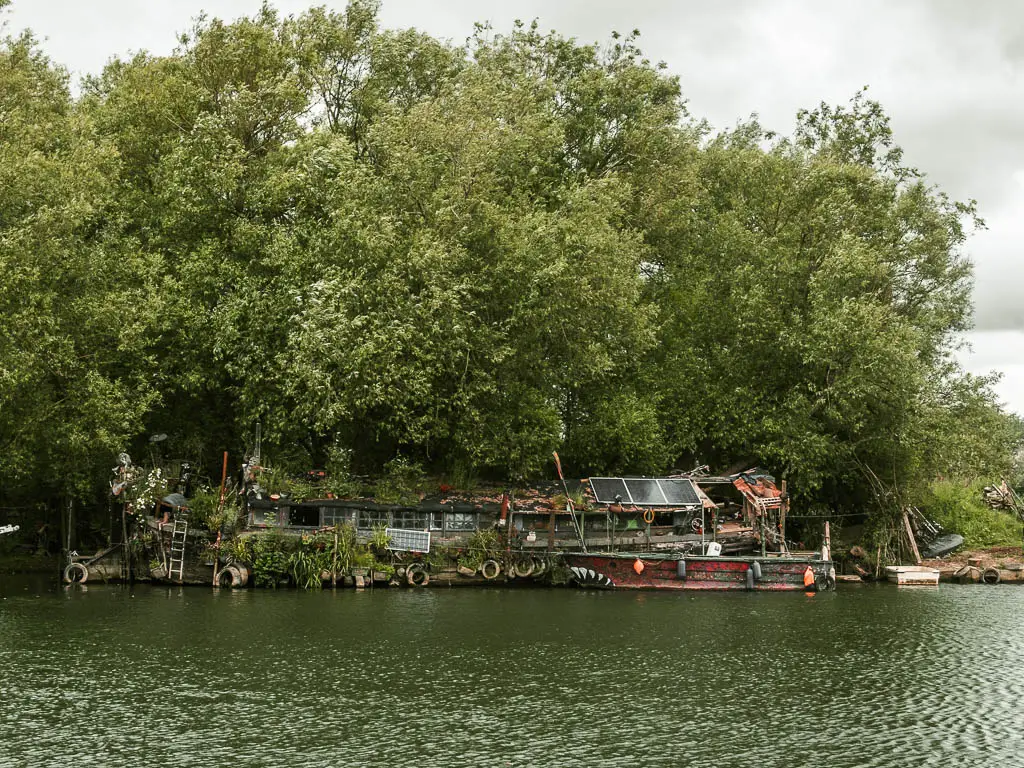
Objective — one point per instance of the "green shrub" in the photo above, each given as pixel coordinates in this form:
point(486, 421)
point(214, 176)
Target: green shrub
point(203, 510)
point(484, 544)
point(271, 564)
point(958, 508)
point(402, 482)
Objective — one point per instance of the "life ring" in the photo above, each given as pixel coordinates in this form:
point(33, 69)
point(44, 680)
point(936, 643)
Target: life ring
point(648, 515)
point(540, 565)
point(416, 575)
point(522, 568)
point(490, 569)
point(76, 573)
point(990, 576)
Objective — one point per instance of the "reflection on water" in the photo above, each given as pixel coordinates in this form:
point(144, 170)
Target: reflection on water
point(868, 676)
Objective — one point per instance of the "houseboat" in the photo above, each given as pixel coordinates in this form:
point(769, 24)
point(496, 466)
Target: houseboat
point(753, 528)
point(691, 531)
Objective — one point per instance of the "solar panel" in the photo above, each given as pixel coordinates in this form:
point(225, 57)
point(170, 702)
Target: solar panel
point(407, 540)
point(607, 488)
point(679, 491)
point(644, 491)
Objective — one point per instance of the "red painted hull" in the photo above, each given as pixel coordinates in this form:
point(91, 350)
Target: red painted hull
point(616, 571)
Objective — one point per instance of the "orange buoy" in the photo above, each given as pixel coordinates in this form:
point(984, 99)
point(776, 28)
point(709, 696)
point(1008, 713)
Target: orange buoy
point(808, 577)
point(638, 566)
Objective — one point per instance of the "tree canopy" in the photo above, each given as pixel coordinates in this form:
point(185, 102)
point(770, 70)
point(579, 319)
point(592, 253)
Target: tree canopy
point(383, 245)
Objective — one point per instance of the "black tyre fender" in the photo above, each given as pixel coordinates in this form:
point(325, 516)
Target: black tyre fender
point(990, 576)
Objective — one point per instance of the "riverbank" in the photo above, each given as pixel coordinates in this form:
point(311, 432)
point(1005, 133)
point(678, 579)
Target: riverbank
point(991, 565)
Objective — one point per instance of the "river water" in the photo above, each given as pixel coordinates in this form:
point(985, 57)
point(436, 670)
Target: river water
point(156, 676)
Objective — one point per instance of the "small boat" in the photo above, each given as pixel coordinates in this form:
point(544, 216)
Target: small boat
point(912, 575)
point(942, 546)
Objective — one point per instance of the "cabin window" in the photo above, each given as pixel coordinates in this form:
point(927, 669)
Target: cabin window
point(409, 518)
point(337, 516)
point(373, 518)
point(436, 521)
point(304, 517)
point(460, 521)
point(563, 523)
point(263, 516)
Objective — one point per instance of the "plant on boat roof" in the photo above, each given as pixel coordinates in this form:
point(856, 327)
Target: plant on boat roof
point(402, 482)
point(147, 491)
point(204, 510)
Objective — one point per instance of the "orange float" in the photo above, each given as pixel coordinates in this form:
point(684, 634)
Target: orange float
point(808, 577)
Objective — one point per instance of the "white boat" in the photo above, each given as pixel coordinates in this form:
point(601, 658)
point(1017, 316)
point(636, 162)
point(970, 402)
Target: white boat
point(912, 575)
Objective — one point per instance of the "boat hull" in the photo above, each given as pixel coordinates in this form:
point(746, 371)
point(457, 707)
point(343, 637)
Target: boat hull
point(772, 574)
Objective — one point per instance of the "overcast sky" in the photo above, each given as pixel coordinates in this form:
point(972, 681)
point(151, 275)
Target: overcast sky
point(949, 73)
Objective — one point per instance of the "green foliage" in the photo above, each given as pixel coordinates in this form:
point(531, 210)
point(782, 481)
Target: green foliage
point(394, 252)
point(271, 560)
point(239, 550)
point(402, 482)
point(484, 544)
point(205, 511)
point(306, 566)
point(958, 507)
point(379, 540)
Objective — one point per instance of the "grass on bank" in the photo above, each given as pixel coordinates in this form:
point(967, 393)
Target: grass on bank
point(959, 508)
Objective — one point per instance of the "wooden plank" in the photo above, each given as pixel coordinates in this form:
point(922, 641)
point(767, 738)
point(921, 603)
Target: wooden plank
point(910, 537)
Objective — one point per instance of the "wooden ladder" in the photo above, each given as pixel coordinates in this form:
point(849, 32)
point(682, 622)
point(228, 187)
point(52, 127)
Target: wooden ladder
point(179, 535)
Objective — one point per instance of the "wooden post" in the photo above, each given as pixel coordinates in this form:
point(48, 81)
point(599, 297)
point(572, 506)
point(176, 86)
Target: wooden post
point(334, 561)
point(910, 538)
point(126, 555)
point(782, 517)
point(223, 482)
point(551, 532)
point(826, 553)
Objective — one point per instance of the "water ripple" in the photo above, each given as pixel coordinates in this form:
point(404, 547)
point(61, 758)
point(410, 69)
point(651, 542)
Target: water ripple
point(870, 677)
